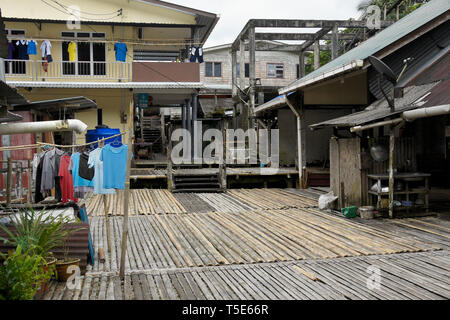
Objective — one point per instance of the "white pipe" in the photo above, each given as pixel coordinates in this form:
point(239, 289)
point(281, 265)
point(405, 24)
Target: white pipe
point(426, 112)
point(376, 125)
point(43, 126)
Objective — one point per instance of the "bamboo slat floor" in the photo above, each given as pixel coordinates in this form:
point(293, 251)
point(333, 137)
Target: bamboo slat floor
point(156, 201)
point(259, 244)
point(214, 238)
point(401, 276)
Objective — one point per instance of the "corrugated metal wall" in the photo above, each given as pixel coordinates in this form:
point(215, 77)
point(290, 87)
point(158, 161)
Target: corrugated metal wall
point(24, 155)
point(422, 50)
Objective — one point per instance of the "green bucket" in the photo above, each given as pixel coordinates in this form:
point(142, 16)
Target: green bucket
point(349, 212)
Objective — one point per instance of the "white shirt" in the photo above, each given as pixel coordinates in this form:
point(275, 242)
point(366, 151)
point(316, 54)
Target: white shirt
point(46, 48)
point(94, 161)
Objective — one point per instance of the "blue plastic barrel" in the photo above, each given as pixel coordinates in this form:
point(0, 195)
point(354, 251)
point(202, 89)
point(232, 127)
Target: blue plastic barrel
point(101, 133)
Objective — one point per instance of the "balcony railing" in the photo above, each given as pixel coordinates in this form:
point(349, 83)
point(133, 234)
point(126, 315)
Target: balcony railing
point(28, 70)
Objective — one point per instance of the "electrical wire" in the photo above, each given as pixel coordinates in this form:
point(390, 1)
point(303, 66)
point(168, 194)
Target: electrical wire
point(85, 18)
point(88, 13)
point(144, 65)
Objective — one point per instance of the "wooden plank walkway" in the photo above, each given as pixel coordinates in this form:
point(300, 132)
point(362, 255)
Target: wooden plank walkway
point(402, 277)
point(215, 238)
point(158, 201)
point(152, 174)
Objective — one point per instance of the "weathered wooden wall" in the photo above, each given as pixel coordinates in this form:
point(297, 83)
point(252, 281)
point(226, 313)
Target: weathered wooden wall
point(350, 165)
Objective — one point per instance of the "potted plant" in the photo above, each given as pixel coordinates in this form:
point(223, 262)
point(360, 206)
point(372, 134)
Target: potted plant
point(62, 265)
point(21, 274)
point(37, 233)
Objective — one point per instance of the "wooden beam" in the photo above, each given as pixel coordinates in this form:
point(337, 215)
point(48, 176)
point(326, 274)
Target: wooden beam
point(300, 36)
point(318, 35)
point(287, 23)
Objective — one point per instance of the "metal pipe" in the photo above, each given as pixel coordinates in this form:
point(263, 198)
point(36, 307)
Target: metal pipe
point(299, 141)
point(43, 126)
point(426, 112)
point(408, 116)
point(376, 125)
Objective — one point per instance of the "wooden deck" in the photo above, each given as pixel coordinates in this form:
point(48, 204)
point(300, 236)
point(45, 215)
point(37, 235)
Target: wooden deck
point(260, 244)
point(152, 174)
point(403, 276)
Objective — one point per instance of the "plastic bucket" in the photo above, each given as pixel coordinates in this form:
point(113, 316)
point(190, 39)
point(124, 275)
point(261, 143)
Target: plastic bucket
point(366, 212)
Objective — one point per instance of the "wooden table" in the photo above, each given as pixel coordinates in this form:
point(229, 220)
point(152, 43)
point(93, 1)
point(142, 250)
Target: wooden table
point(407, 178)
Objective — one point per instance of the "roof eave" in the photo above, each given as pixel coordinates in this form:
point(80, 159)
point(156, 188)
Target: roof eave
point(349, 67)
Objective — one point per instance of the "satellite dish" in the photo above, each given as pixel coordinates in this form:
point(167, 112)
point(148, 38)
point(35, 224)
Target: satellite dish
point(383, 69)
point(379, 153)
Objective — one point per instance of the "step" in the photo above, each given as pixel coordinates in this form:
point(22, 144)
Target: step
point(207, 190)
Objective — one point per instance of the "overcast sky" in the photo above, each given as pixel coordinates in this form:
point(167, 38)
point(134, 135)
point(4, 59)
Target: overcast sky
point(234, 14)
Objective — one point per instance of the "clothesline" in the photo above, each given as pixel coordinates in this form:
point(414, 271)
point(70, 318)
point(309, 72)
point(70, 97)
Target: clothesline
point(178, 41)
point(40, 144)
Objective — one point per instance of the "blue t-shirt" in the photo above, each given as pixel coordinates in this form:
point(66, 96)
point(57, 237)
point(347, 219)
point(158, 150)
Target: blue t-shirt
point(77, 180)
point(121, 51)
point(32, 47)
point(114, 166)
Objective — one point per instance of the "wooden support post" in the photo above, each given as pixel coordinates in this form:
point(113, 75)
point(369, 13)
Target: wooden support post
point(301, 65)
point(391, 171)
point(233, 73)
point(242, 64)
point(127, 193)
point(252, 47)
point(316, 55)
point(108, 232)
point(334, 43)
point(30, 182)
point(169, 161)
point(163, 128)
point(9, 182)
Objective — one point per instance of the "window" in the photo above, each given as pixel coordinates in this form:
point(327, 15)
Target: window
point(91, 56)
point(275, 70)
point(213, 69)
point(247, 70)
point(15, 67)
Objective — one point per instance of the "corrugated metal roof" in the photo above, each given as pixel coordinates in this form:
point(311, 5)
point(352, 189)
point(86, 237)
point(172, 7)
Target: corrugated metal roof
point(108, 85)
point(75, 103)
point(11, 95)
point(414, 97)
point(10, 117)
point(272, 104)
point(381, 40)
